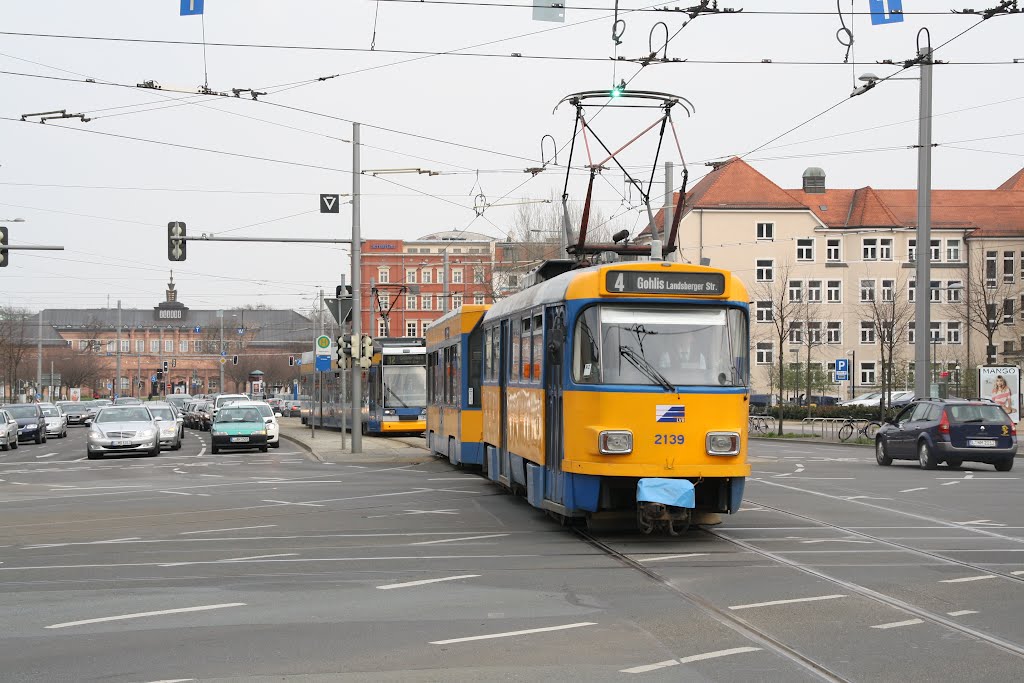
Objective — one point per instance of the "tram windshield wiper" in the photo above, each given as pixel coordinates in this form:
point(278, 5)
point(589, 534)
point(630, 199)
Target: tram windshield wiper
point(644, 366)
point(395, 396)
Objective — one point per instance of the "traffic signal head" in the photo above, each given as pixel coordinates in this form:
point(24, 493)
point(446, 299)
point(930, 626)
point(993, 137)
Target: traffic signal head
point(3, 242)
point(234, 360)
point(367, 346)
point(175, 245)
point(165, 366)
point(291, 361)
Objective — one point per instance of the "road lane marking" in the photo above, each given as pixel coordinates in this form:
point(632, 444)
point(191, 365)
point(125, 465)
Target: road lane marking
point(139, 615)
point(454, 540)
point(424, 582)
point(920, 488)
point(400, 558)
point(174, 680)
point(258, 557)
point(508, 634)
point(897, 624)
point(963, 612)
point(285, 502)
point(671, 557)
point(650, 667)
point(834, 540)
point(785, 602)
point(271, 481)
point(48, 455)
point(1017, 573)
point(236, 528)
point(717, 654)
point(177, 493)
point(950, 483)
point(969, 578)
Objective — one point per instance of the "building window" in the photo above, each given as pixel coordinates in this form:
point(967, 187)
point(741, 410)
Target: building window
point(953, 291)
point(456, 276)
point(140, 346)
point(935, 332)
point(813, 332)
point(765, 231)
point(764, 311)
point(440, 276)
point(456, 301)
point(936, 250)
point(834, 332)
point(183, 346)
point(796, 290)
point(197, 346)
point(381, 329)
point(911, 250)
point(512, 280)
point(383, 276)
point(765, 270)
point(867, 290)
point(953, 333)
point(867, 332)
point(953, 251)
point(478, 299)
point(990, 269)
point(764, 353)
point(834, 291)
point(410, 276)
point(478, 275)
point(911, 337)
point(833, 251)
point(888, 290)
point(867, 373)
point(796, 333)
point(1007, 311)
point(991, 314)
point(869, 249)
point(1008, 269)
point(154, 346)
point(410, 303)
point(1007, 347)
point(814, 291)
point(427, 276)
point(410, 329)
point(126, 345)
point(426, 302)
point(934, 293)
point(885, 249)
point(111, 346)
point(168, 346)
point(805, 249)
point(912, 291)
point(83, 344)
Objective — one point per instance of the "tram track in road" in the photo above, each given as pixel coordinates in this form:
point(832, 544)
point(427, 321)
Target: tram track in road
point(731, 621)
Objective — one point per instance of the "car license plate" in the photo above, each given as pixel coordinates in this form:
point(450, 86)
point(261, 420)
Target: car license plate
point(981, 443)
point(239, 439)
point(120, 443)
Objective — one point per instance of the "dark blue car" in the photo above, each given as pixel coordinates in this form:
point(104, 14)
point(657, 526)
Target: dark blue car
point(950, 431)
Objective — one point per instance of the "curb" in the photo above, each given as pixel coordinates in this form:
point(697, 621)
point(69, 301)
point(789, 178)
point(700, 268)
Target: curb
point(817, 442)
point(303, 446)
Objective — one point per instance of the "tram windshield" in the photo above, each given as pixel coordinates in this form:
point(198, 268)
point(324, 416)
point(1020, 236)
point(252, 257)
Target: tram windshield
point(668, 346)
point(405, 386)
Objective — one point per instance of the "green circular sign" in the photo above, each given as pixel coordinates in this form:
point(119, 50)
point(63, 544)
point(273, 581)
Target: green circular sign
point(323, 342)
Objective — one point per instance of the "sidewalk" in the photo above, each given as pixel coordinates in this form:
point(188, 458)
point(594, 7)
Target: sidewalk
point(326, 445)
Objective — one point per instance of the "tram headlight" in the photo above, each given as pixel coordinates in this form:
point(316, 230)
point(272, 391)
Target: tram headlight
point(389, 411)
point(723, 443)
point(615, 442)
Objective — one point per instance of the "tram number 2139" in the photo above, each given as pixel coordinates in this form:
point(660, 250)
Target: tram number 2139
point(668, 439)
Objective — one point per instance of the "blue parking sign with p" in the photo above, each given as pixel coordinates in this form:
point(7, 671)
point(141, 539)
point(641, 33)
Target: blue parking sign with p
point(842, 369)
point(189, 7)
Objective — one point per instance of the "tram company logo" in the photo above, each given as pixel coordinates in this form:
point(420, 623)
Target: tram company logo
point(670, 414)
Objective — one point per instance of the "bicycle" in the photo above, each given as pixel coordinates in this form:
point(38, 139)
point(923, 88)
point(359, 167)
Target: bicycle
point(758, 424)
point(868, 431)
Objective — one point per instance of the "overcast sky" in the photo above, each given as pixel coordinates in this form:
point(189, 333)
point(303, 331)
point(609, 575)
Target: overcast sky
point(108, 199)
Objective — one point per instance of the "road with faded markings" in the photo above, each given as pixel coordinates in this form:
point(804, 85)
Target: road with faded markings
point(255, 566)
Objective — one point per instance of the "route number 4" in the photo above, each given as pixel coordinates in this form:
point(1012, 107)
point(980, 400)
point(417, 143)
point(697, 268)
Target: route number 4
point(620, 283)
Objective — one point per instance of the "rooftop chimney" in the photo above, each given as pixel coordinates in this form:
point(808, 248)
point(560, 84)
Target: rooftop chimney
point(814, 180)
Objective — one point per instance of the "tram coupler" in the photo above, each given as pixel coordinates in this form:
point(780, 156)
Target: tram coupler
point(664, 504)
point(652, 517)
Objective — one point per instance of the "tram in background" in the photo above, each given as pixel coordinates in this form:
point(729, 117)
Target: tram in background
point(393, 389)
point(614, 388)
point(455, 422)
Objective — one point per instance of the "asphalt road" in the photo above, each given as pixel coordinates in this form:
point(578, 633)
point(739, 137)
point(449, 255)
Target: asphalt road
point(249, 566)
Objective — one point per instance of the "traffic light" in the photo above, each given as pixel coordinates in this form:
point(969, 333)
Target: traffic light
point(3, 242)
point(234, 360)
point(367, 347)
point(291, 361)
point(175, 245)
point(159, 375)
point(165, 366)
point(174, 362)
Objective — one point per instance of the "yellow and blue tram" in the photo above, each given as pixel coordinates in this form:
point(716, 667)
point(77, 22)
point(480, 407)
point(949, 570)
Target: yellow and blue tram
point(454, 366)
point(619, 387)
point(396, 387)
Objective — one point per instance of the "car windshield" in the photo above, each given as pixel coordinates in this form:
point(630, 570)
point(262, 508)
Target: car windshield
point(405, 386)
point(163, 413)
point(22, 411)
point(225, 400)
point(665, 345)
point(123, 415)
point(232, 414)
point(976, 413)
point(265, 410)
point(51, 412)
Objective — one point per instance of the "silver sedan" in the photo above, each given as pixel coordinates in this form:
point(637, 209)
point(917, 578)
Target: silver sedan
point(123, 429)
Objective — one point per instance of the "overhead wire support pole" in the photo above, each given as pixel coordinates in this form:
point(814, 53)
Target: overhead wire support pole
point(922, 312)
point(357, 292)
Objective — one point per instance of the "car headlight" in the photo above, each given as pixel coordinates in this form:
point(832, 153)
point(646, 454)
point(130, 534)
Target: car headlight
point(262, 432)
point(722, 443)
point(217, 433)
point(147, 432)
point(615, 442)
point(95, 433)
point(31, 427)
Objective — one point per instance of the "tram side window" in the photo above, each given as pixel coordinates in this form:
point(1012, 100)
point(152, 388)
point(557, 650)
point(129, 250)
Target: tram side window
point(488, 354)
point(446, 375)
point(476, 353)
point(495, 354)
point(431, 364)
point(514, 339)
point(456, 376)
point(538, 346)
point(527, 370)
point(586, 368)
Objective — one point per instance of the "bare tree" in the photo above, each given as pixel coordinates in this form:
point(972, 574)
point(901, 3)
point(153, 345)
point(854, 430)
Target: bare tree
point(14, 343)
point(806, 327)
point(778, 312)
point(77, 369)
point(990, 297)
point(890, 310)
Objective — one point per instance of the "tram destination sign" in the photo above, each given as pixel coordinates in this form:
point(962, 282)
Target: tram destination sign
point(646, 282)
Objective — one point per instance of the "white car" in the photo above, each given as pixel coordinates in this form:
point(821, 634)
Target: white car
point(56, 420)
point(269, 417)
point(869, 399)
point(225, 399)
point(8, 431)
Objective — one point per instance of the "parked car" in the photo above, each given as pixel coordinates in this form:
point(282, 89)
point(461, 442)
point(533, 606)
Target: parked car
point(269, 417)
point(76, 411)
point(950, 431)
point(292, 408)
point(127, 401)
point(178, 400)
point(8, 431)
point(204, 416)
point(817, 400)
point(31, 421)
point(169, 423)
point(901, 399)
point(123, 429)
point(761, 402)
point(238, 427)
point(56, 421)
point(868, 399)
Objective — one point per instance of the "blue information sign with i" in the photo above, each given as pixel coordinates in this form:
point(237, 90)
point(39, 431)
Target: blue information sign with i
point(190, 7)
point(886, 11)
